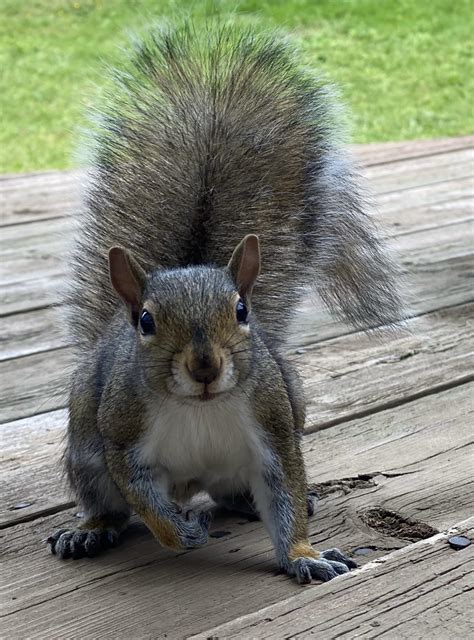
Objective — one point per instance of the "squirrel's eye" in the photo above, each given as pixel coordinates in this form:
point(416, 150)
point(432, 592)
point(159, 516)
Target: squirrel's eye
point(147, 324)
point(241, 312)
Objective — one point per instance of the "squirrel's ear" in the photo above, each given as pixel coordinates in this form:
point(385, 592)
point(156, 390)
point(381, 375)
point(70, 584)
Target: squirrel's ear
point(244, 266)
point(128, 280)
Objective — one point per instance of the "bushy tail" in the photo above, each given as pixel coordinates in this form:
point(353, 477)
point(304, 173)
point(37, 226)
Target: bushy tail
point(207, 137)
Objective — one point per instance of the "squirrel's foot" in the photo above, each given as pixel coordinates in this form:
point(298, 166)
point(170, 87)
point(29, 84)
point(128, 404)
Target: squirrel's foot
point(81, 543)
point(330, 564)
point(193, 529)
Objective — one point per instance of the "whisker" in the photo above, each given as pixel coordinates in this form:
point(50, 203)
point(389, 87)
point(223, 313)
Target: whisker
point(230, 338)
point(236, 344)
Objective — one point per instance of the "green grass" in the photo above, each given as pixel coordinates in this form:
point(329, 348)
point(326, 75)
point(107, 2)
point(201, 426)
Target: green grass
point(404, 66)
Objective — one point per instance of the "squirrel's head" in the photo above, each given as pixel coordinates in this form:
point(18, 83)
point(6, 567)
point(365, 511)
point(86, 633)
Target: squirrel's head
point(193, 325)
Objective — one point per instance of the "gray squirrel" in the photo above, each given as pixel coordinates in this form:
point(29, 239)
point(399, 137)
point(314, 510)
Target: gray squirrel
point(216, 153)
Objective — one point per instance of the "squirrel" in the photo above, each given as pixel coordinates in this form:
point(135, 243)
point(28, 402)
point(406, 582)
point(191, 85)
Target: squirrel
point(215, 153)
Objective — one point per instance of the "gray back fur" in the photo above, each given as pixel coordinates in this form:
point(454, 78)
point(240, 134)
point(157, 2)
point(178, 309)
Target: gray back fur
point(208, 137)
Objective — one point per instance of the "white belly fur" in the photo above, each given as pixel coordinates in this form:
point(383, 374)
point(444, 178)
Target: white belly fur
point(217, 443)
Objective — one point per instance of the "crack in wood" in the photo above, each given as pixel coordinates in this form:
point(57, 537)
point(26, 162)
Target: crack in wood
point(395, 524)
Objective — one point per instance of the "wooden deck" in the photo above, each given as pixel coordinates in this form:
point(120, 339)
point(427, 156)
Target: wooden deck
point(389, 445)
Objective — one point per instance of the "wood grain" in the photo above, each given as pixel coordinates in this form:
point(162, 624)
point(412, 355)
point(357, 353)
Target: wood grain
point(31, 332)
point(35, 444)
point(407, 174)
point(382, 152)
point(33, 249)
point(36, 196)
point(356, 374)
point(34, 384)
point(31, 295)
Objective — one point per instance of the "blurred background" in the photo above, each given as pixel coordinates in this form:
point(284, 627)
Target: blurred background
point(404, 67)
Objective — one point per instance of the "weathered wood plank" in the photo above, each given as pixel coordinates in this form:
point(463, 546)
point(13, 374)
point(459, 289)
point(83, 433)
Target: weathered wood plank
point(35, 444)
point(137, 575)
point(422, 591)
point(31, 332)
point(431, 215)
point(31, 295)
point(33, 249)
point(35, 196)
point(424, 195)
point(382, 152)
point(172, 594)
point(407, 174)
point(356, 374)
point(409, 452)
point(34, 384)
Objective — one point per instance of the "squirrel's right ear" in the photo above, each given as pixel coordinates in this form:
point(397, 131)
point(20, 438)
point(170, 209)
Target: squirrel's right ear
point(128, 280)
point(244, 266)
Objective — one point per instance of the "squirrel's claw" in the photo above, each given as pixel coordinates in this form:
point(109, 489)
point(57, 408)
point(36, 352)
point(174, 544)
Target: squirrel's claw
point(337, 556)
point(332, 563)
point(307, 569)
point(81, 543)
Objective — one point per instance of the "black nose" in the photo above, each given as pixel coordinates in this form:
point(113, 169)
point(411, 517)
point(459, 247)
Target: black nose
point(206, 375)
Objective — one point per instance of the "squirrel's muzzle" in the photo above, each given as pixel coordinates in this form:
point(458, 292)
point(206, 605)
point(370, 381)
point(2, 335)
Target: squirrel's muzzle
point(204, 363)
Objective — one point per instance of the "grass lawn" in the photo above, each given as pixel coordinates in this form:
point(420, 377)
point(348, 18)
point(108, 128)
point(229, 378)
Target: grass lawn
point(404, 66)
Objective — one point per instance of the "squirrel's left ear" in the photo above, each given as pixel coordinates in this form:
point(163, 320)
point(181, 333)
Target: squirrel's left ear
point(244, 266)
point(128, 280)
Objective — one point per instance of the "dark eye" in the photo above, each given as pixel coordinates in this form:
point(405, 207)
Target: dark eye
point(241, 312)
point(147, 324)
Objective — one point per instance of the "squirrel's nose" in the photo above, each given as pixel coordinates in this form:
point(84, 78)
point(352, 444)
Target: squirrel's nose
point(206, 375)
point(205, 368)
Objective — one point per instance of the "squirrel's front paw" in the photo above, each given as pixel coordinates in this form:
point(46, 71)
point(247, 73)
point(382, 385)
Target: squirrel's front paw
point(329, 565)
point(193, 529)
